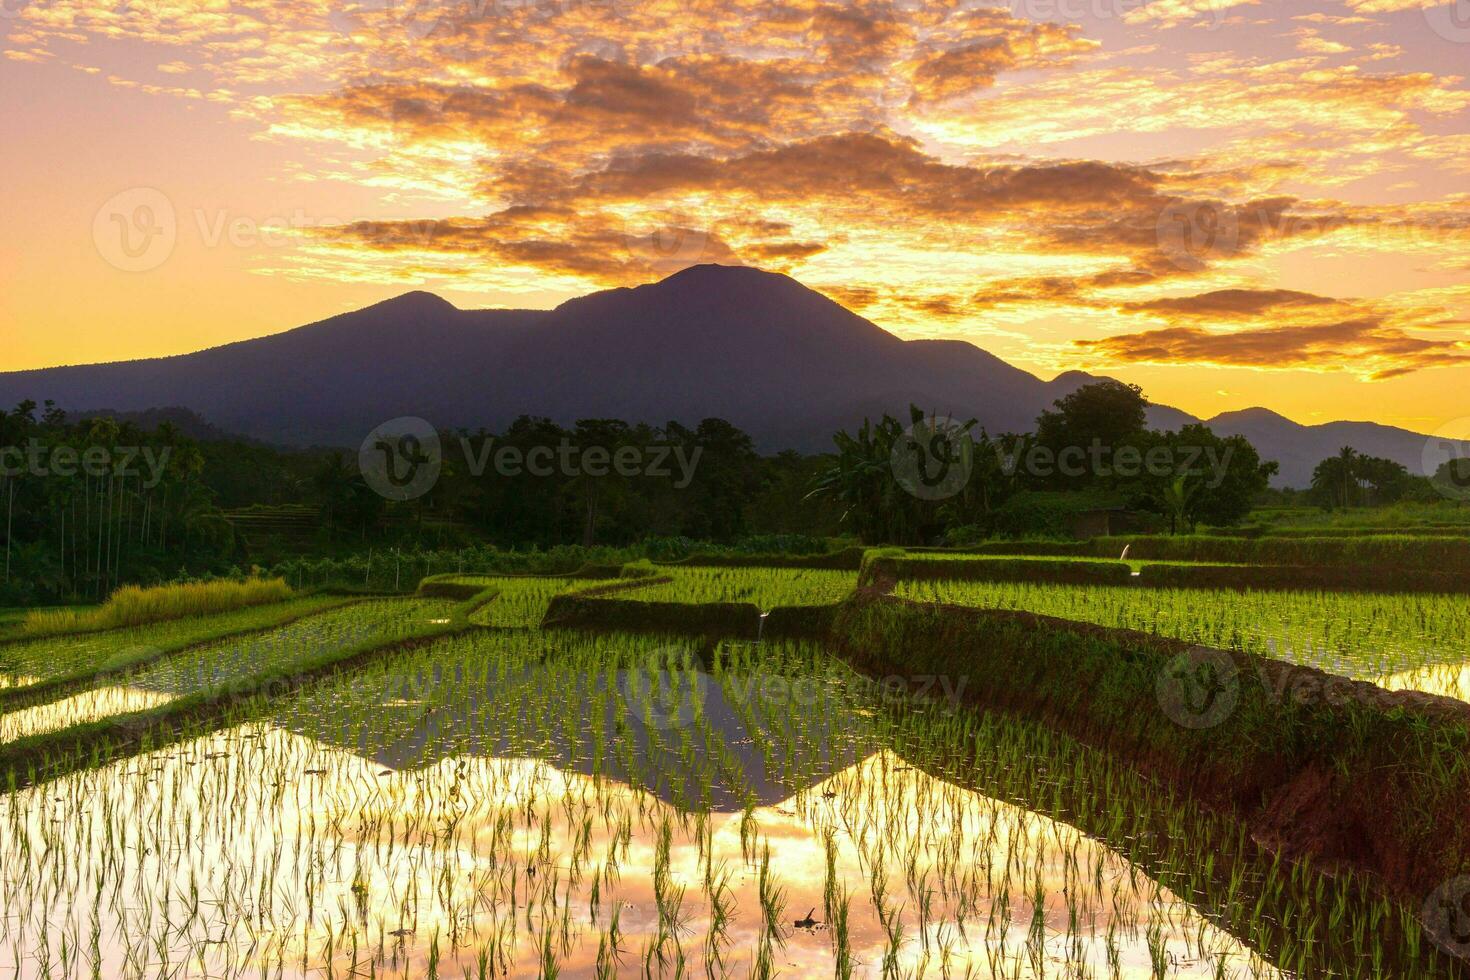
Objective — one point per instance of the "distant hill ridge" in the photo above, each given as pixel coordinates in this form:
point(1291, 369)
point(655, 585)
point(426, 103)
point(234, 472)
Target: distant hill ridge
point(784, 362)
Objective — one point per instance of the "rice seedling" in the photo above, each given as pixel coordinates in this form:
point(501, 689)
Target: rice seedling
point(1400, 641)
point(239, 659)
point(35, 660)
point(764, 587)
point(535, 804)
point(521, 601)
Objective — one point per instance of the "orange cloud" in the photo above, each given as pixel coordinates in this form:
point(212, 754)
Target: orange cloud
point(1366, 347)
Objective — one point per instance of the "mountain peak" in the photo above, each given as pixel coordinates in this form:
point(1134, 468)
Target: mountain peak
point(716, 271)
point(417, 301)
point(736, 280)
point(1073, 379)
point(729, 306)
point(1253, 415)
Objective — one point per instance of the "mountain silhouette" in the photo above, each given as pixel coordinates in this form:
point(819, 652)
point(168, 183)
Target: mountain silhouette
point(1298, 448)
point(783, 362)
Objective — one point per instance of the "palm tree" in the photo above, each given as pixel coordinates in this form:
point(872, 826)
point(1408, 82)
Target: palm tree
point(1335, 479)
point(1347, 457)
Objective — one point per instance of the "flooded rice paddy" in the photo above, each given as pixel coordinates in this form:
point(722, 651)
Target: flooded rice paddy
point(31, 661)
point(517, 802)
point(223, 662)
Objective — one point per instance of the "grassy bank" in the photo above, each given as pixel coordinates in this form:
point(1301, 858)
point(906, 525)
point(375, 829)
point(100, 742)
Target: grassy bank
point(135, 606)
point(847, 559)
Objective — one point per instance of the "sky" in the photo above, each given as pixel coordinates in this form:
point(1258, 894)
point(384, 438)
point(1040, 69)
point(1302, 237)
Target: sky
point(1228, 203)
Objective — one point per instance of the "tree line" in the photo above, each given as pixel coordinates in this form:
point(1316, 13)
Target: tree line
point(92, 503)
point(1093, 448)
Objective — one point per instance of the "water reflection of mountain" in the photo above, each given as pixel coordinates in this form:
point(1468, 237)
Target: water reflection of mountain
point(760, 737)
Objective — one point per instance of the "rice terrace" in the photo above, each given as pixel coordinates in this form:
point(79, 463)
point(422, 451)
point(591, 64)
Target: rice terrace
point(879, 762)
point(857, 489)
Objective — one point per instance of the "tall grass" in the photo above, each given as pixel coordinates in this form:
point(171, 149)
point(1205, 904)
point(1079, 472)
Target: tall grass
point(132, 605)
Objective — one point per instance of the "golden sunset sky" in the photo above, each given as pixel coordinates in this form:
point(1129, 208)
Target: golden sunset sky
point(1229, 203)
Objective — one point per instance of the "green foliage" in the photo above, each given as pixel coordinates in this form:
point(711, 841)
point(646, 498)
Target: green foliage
point(1351, 479)
point(876, 505)
point(705, 483)
point(1109, 413)
point(75, 529)
point(1040, 514)
point(643, 568)
point(75, 538)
